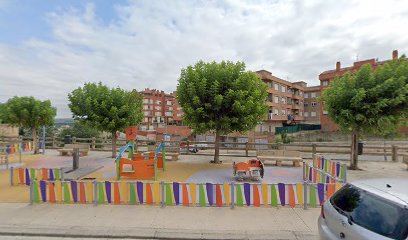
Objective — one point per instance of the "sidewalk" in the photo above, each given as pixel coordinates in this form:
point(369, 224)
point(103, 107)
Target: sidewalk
point(147, 222)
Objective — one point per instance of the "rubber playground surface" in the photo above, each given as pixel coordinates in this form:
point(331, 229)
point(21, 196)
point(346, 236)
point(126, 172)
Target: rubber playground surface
point(188, 169)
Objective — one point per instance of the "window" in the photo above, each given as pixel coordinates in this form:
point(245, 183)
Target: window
point(158, 102)
point(371, 212)
point(270, 128)
point(313, 94)
point(283, 112)
point(276, 99)
point(145, 100)
point(283, 88)
point(313, 114)
point(169, 102)
point(325, 83)
point(157, 113)
point(306, 114)
point(168, 114)
point(325, 112)
point(313, 104)
point(306, 95)
point(276, 111)
point(306, 104)
point(146, 119)
point(301, 114)
point(283, 100)
point(270, 97)
point(145, 107)
point(276, 87)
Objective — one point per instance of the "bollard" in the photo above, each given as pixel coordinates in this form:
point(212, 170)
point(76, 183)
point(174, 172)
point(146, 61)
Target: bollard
point(75, 161)
point(162, 194)
point(232, 195)
point(31, 194)
point(305, 183)
point(95, 193)
point(11, 176)
point(394, 153)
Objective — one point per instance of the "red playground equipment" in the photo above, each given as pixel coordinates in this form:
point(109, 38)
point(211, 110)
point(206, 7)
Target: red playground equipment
point(254, 168)
point(139, 165)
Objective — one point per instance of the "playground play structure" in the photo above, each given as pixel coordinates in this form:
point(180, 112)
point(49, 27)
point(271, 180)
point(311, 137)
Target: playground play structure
point(139, 165)
point(254, 168)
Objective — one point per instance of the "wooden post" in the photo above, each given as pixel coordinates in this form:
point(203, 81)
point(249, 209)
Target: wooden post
point(53, 142)
point(246, 149)
point(93, 143)
point(313, 150)
point(394, 153)
point(188, 147)
point(74, 140)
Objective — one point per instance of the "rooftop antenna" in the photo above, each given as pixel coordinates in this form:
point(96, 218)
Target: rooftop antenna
point(357, 57)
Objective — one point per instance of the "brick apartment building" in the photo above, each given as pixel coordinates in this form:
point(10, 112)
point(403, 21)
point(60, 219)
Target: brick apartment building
point(160, 108)
point(328, 77)
point(162, 116)
point(285, 101)
point(312, 105)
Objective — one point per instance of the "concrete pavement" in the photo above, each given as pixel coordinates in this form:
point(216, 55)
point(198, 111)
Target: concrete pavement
point(147, 222)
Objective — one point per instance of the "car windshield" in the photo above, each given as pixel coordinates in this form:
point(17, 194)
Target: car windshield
point(372, 212)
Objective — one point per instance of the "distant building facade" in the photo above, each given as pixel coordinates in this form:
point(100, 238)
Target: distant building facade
point(312, 105)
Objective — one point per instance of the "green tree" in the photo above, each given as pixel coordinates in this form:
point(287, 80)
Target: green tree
point(28, 112)
point(79, 130)
point(369, 101)
point(106, 109)
point(221, 98)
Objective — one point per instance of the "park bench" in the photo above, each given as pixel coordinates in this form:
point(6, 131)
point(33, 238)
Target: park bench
point(279, 156)
point(69, 149)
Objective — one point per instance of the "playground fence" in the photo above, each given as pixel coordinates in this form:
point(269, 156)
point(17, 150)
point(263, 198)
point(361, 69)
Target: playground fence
point(324, 170)
point(182, 194)
point(25, 176)
point(13, 148)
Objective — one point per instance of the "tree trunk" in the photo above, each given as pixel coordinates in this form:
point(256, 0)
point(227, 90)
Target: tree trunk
point(114, 138)
point(354, 150)
point(217, 148)
point(35, 143)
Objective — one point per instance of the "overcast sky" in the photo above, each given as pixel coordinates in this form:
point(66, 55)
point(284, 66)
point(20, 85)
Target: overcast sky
point(48, 48)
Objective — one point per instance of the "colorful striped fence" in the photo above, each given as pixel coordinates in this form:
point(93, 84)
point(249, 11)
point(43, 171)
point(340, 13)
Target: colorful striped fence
point(325, 171)
point(18, 147)
point(25, 176)
point(182, 194)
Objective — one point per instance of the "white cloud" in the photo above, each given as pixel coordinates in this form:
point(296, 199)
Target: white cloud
point(151, 41)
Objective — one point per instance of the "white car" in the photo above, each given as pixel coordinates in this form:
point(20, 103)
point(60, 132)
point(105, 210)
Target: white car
point(367, 209)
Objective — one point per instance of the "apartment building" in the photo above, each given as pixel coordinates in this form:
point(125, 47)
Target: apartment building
point(285, 102)
point(312, 105)
point(159, 109)
point(328, 77)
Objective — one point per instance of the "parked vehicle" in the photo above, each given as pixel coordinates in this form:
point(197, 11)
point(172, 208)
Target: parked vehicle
point(367, 209)
point(191, 148)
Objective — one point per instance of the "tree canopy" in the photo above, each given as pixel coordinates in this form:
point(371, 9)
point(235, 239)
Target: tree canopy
point(79, 130)
point(28, 112)
point(370, 101)
point(106, 109)
point(221, 97)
